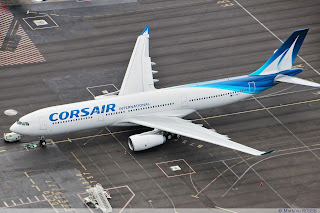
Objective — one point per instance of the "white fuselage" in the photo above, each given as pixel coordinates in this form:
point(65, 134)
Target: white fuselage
point(109, 111)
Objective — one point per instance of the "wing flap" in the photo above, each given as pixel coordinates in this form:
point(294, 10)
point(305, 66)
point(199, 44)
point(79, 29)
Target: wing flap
point(183, 127)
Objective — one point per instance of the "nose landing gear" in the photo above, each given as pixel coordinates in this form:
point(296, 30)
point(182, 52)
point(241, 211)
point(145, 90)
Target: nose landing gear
point(42, 141)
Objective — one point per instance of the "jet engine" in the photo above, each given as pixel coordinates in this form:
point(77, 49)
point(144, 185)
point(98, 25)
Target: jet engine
point(145, 141)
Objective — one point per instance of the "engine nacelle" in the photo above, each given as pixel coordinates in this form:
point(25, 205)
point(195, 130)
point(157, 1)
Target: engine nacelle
point(145, 141)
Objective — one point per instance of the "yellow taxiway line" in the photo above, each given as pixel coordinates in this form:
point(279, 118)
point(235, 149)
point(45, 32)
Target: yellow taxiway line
point(79, 161)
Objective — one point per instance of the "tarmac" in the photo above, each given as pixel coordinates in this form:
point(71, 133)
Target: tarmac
point(88, 46)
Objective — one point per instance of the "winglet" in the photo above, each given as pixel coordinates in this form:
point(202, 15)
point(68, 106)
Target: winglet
point(146, 31)
point(268, 152)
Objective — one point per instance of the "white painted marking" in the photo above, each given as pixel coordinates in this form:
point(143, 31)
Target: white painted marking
point(117, 164)
point(13, 203)
point(29, 199)
point(273, 34)
point(230, 169)
point(36, 198)
point(44, 197)
point(5, 204)
point(251, 166)
point(40, 22)
point(173, 205)
point(298, 139)
point(175, 168)
point(21, 201)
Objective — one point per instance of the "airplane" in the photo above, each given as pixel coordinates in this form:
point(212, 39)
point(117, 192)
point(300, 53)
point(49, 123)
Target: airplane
point(139, 103)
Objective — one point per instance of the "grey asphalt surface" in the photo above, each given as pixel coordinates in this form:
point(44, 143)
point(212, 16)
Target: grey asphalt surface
point(190, 41)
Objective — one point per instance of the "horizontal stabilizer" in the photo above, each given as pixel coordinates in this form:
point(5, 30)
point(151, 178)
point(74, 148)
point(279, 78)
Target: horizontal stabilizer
point(295, 80)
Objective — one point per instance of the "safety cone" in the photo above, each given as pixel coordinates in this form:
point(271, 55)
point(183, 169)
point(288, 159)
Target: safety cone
point(125, 152)
point(261, 184)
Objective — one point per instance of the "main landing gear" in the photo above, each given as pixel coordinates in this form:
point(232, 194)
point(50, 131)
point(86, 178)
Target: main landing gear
point(42, 141)
point(170, 136)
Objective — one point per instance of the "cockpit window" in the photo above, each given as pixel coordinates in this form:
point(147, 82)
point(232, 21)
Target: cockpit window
point(23, 123)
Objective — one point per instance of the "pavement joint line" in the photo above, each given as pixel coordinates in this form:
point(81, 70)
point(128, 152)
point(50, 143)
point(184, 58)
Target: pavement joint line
point(273, 34)
point(298, 139)
point(197, 195)
point(259, 109)
point(132, 11)
point(102, 173)
point(92, 138)
point(98, 135)
point(79, 161)
point(143, 169)
point(260, 162)
point(285, 93)
point(251, 166)
point(218, 207)
point(223, 176)
point(275, 191)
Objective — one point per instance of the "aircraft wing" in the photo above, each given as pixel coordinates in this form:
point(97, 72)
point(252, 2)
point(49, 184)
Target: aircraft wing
point(187, 128)
point(139, 76)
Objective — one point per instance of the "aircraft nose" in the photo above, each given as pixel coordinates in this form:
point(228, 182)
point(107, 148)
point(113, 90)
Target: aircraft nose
point(13, 128)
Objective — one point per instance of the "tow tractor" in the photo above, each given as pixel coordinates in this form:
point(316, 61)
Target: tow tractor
point(11, 137)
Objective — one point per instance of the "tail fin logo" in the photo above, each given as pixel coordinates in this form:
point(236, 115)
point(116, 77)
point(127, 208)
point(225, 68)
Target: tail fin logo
point(283, 58)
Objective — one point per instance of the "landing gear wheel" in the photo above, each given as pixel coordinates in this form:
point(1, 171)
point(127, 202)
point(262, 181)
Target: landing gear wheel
point(167, 135)
point(42, 141)
point(175, 136)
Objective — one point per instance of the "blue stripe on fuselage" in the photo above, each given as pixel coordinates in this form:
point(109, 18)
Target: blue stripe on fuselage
point(241, 83)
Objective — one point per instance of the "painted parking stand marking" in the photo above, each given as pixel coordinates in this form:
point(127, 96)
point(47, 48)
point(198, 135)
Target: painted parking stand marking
point(19, 49)
point(40, 22)
point(170, 176)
